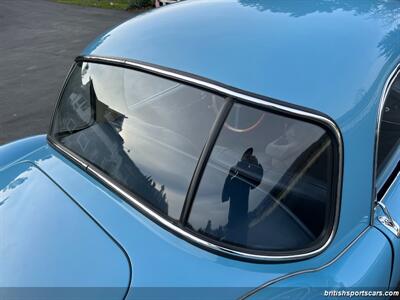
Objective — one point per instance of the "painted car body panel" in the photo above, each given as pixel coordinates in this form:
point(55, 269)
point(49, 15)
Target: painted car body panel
point(18, 149)
point(339, 70)
point(356, 269)
point(40, 247)
point(313, 55)
point(291, 45)
point(133, 231)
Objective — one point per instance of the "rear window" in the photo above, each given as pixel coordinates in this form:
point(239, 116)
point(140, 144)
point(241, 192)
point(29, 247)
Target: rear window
point(268, 184)
point(234, 174)
point(144, 131)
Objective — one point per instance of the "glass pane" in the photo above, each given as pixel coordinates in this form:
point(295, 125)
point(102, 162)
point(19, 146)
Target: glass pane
point(389, 134)
point(267, 185)
point(144, 131)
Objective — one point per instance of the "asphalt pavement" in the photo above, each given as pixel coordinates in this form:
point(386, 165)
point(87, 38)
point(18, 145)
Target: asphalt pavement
point(38, 41)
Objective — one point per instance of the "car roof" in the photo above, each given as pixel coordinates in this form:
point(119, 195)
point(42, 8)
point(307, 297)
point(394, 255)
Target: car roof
point(332, 56)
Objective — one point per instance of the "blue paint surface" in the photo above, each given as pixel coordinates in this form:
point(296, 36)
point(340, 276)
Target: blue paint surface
point(177, 264)
point(330, 56)
point(355, 270)
point(47, 241)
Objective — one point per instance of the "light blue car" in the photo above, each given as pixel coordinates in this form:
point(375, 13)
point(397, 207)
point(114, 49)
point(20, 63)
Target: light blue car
point(215, 150)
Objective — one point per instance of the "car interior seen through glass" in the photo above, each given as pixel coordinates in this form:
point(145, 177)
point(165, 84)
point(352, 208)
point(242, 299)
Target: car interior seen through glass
point(268, 185)
point(145, 132)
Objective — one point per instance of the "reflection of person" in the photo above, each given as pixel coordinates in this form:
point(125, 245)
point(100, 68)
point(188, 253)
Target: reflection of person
point(242, 177)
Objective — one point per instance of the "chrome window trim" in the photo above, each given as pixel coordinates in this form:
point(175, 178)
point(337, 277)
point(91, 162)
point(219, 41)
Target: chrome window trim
point(241, 96)
point(388, 84)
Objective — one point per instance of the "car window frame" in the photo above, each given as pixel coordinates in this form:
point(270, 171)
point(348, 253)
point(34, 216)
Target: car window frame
point(189, 203)
point(232, 95)
point(384, 180)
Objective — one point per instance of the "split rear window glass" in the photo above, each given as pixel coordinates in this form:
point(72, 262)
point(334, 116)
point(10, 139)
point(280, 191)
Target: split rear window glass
point(269, 183)
point(144, 131)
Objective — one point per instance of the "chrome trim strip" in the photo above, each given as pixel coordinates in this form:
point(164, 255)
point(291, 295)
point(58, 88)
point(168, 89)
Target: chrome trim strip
point(388, 221)
point(388, 84)
point(240, 96)
point(69, 153)
point(335, 259)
